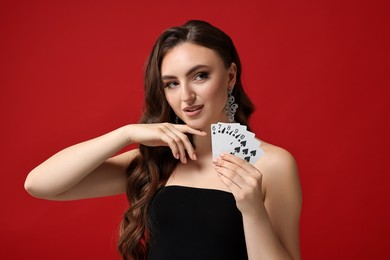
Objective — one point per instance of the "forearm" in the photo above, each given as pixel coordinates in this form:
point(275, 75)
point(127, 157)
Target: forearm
point(69, 166)
point(261, 240)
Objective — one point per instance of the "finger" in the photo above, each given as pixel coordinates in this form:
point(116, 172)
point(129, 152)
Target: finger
point(231, 171)
point(232, 186)
point(170, 142)
point(189, 130)
point(252, 175)
point(185, 141)
point(238, 161)
point(177, 139)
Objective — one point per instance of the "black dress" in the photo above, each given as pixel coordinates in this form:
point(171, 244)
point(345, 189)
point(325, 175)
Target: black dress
point(195, 223)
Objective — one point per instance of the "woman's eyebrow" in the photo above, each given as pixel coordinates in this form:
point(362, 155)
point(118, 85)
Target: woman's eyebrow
point(189, 72)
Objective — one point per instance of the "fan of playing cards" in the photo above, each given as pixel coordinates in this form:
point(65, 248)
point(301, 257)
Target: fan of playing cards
point(235, 139)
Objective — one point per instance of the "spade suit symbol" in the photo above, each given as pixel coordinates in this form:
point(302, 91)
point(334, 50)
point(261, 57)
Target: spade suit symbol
point(237, 149)
point(253, 152)
point(243, 143)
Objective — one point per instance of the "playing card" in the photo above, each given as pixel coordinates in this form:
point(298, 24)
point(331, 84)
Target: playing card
point(216, 140)
point(219, 141)
point(235, 139)
point(250, 151)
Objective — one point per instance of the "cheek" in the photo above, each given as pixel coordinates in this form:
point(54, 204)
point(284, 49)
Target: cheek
point(171, 99)
point(218, 91)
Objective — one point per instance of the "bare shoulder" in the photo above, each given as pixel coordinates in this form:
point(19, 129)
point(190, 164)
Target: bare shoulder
point(278, 167)
point(276, 160)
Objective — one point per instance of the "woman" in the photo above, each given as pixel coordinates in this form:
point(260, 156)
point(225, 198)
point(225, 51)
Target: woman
point(184, 203)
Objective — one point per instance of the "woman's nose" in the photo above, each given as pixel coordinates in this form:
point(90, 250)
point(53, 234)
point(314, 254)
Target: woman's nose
point(187, 93)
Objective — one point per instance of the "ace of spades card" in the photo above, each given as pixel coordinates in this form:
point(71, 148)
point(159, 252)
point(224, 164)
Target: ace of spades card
point(235, 139)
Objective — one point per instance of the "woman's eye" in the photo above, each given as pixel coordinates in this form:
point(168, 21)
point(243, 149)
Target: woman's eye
point(171, 84)
point(201, 76)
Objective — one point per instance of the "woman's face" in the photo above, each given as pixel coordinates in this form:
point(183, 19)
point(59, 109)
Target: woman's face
point(195, 84)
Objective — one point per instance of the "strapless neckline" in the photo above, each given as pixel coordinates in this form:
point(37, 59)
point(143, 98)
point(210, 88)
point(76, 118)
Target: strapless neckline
point(196, 189)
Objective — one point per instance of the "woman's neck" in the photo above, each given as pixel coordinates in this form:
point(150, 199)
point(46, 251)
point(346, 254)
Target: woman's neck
point(203, 145)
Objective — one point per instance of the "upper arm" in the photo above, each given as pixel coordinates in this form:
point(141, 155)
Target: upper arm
point(106, 180)
point(283, 198)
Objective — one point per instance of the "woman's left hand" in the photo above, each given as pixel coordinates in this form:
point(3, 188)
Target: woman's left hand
point(243, 180)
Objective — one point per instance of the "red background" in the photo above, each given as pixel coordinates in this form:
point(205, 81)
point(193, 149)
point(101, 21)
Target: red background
point(318, 72)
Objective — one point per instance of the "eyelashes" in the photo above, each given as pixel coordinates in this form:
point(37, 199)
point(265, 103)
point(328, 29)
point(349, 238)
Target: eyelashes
point(198, 78)
point(170, 84)
point(201, 76)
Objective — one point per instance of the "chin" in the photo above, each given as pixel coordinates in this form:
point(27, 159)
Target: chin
point(197, 124)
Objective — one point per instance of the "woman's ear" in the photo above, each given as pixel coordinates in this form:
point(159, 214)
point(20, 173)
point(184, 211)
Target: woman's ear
point(232, 75)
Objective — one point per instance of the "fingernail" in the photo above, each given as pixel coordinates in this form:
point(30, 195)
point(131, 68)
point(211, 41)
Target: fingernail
point(194, 156)
point(185, 160)
point(215, 160)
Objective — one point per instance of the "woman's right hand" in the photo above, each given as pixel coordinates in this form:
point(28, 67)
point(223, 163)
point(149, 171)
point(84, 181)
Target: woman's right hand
point(165, 134)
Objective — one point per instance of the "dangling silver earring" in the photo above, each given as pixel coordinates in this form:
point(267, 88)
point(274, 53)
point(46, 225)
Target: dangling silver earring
point(231, 107)
point(176, 120)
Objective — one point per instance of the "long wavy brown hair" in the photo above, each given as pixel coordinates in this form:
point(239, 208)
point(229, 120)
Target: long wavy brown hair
point(150, 170)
